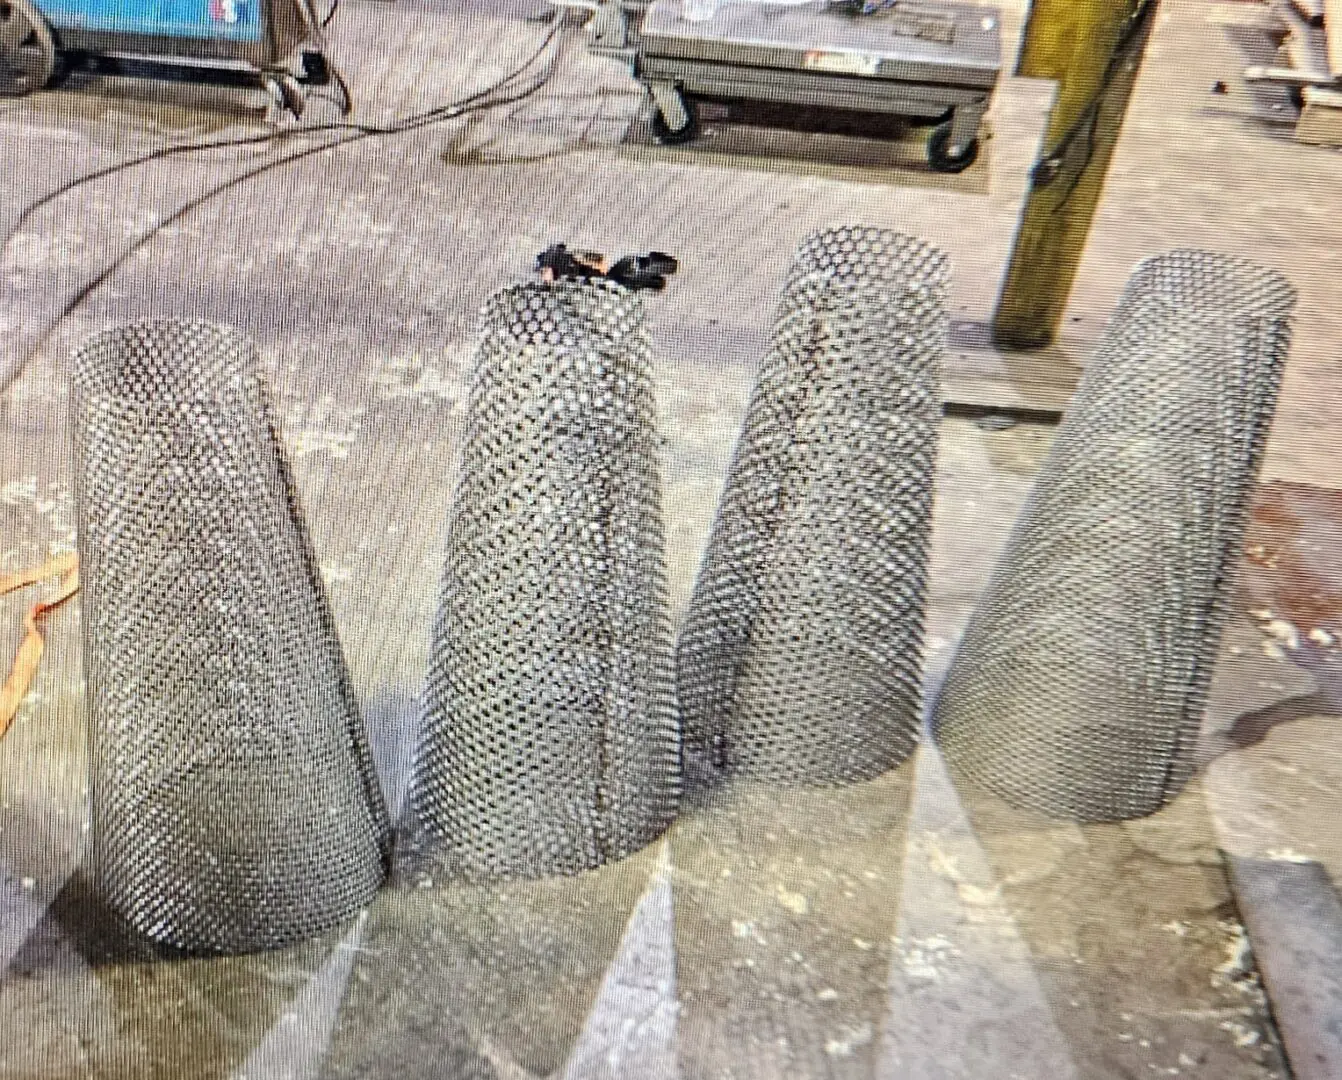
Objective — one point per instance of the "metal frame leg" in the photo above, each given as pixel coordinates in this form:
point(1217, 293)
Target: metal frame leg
point(670, 103)
point(965, 122)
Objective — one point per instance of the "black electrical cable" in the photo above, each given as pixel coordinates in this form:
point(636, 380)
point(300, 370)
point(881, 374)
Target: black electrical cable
point(154, 155)
point(1085, 127)
point(347, 97)
point(434, 115)
point(476, 102)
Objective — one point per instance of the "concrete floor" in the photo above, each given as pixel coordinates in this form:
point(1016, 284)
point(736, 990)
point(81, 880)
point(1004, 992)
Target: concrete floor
point(949, 941)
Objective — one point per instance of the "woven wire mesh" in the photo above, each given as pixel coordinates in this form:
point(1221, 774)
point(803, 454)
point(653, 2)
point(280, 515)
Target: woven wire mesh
point(234, 802)
point(550, 741)
point(800, 659)
point(1078, 688)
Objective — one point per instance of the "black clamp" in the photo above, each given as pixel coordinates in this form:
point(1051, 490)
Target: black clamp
point(637, 272)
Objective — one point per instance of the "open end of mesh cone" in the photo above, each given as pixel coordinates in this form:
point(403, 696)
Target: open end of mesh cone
point(234, 803)
point(550, 741)
point(1079, 686)
point(800, 659)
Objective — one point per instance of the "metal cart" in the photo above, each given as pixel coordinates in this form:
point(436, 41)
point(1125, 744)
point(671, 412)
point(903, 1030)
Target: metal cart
point(931, 61)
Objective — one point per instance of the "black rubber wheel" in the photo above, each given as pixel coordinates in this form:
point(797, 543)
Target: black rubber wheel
point(62, 68)
point(940, 157)
point(668, 136)
point(27, 49)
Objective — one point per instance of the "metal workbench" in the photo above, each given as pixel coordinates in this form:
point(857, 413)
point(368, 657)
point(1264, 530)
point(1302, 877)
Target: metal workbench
point(931, 61)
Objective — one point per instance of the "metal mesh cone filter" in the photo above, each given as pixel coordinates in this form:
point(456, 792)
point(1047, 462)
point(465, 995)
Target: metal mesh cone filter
point(551, 742)
point(1078, 688)
point(800, 659)
point(234, 802)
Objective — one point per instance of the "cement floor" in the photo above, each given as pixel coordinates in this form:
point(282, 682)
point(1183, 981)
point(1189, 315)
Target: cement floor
point(953, 941)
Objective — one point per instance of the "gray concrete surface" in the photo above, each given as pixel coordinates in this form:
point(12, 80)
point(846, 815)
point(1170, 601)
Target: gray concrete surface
point(1003, 948)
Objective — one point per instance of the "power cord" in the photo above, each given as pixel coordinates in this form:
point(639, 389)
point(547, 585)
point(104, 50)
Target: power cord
point(351, 132)
point(437, 114)
point(1085, 128)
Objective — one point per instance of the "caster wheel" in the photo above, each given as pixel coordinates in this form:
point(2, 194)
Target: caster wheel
point(27, 51)
point(1297, 96)
point(287, 98)
point(61, 70)
point(669, 136)
point(940, 157)
point(295, 98)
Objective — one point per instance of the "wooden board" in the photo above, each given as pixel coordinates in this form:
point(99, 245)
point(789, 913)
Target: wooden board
point(1332, 25)
point(1320, 121)
point(1294, 919)
point(1306, 45)
point(1309, 10)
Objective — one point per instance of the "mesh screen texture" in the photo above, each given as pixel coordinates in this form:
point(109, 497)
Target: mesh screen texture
point(1078, 688)
point(800, 658)
point(551, 740)
point(234, 802)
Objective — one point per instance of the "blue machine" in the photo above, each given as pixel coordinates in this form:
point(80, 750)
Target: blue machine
point(259, 31)
point(227, 42)
point(223, 20)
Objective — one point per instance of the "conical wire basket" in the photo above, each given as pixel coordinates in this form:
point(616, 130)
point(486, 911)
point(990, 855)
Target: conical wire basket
point(1078, 688)
point(234, 801)
point(800, 658)
point(550, 741)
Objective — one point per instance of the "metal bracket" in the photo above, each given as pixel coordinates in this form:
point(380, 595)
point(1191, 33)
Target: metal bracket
point(613, 30)
point(965, 121)
point(666, 96)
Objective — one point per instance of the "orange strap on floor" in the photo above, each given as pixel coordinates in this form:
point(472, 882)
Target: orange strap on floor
point(30, 652)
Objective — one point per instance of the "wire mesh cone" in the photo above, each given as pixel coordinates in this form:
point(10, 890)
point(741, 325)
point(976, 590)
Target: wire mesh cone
point(551, 742)
point(800, 659)
point(234, 802)
point(1078, 688)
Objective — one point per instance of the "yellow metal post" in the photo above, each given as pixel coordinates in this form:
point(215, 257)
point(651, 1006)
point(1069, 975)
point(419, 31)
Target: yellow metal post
point(1093, 48)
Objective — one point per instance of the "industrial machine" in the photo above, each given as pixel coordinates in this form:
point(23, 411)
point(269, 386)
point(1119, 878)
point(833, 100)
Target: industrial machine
point(226, 42)
point(926, 61)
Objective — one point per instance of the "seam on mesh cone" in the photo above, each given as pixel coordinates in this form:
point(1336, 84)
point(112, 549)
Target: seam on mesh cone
point(235, 805)
point(551, 742)
point(800, 658)
point(1078, 688)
